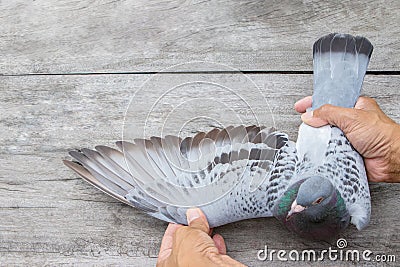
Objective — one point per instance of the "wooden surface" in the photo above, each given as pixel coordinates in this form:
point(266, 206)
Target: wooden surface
point(150, 35)
point(53, 99)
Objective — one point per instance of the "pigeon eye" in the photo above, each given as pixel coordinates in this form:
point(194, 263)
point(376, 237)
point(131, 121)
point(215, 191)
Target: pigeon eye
point(318, 200)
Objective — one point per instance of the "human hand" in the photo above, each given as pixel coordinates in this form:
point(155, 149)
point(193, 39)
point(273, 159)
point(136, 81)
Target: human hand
point(371, 132)
point(192, 245)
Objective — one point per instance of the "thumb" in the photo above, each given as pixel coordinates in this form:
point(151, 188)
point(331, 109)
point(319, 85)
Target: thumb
point(220, 243)
point(328, 114)
point(196, 219)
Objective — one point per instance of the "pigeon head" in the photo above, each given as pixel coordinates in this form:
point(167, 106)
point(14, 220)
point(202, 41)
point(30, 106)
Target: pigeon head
point(313, 208)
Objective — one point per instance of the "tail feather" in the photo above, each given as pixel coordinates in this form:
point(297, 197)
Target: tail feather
point(340, 64)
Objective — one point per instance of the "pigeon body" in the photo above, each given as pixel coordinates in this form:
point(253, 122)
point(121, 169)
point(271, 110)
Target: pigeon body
point(315, 187)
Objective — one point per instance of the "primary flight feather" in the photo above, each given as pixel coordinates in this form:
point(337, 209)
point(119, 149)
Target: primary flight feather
point(315, 187)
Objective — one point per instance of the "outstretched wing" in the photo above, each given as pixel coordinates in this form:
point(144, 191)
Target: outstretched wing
point(231, 174)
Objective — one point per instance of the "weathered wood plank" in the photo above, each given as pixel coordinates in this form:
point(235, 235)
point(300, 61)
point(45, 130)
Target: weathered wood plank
point(49, 216)
point(118, 36)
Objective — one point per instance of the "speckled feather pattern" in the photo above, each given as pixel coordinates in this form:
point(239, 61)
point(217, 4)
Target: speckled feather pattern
point(345, 169)
point(260, 170)
point(259, 180)
point(256, 165)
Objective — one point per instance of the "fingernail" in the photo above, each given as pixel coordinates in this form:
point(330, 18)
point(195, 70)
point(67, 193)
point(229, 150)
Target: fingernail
point(192, 214)
point(308, 115)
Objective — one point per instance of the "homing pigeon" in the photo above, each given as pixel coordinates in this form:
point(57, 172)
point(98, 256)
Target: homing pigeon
point(315, 187)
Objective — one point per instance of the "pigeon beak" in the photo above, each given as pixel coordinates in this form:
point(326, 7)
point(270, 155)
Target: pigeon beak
point(295, 208)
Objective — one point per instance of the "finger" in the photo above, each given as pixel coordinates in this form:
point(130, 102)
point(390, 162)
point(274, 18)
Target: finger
point(328, 114)
point(366, 103)
point(374, 174)
point(196, 219)
point(303, 104)
point(166, 243)
point(220, 243)
point(311, 120)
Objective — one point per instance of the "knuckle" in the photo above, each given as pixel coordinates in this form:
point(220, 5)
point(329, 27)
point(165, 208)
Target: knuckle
point(325, 107)
point(181, 231)
point(187, 232)
point(351, 120)
point(353, 115)
point(370, 100)
point(365, 101)
point(323, 110)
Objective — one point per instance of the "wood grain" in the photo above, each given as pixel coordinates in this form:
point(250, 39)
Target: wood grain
point(49, 216)
point(136, 36)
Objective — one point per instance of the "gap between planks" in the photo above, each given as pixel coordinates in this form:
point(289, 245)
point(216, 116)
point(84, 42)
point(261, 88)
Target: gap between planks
point(393, 73)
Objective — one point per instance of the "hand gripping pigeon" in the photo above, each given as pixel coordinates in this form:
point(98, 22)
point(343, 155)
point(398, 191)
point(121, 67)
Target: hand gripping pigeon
point(315, 187)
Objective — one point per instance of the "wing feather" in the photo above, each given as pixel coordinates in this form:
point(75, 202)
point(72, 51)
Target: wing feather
point(232, 174)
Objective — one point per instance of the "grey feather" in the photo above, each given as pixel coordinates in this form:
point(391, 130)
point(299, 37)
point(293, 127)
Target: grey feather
point(243, 172)
point(248, 169)
point(340, 63)
point(343, 162)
